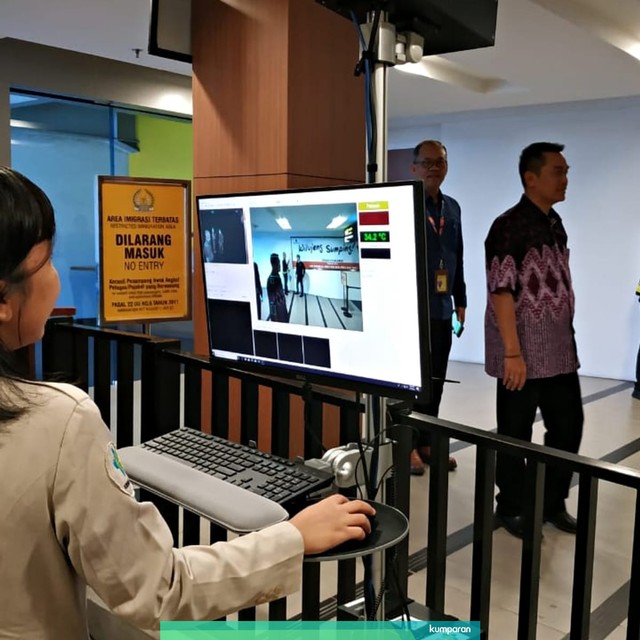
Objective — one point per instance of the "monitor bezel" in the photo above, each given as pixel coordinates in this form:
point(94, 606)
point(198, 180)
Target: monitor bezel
point(332, 379)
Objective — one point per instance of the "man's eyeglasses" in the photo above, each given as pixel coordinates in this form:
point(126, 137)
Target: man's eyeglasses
point(427, 163)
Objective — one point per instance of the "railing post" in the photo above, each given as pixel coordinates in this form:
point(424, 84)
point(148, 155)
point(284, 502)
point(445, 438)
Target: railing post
point(583, 558)
point(220, 404)
point(280, 412)
point(125, 356)
point(57, 348)
point(249, 394)
point(438, 511)
point(102, 376)
point(483, 537)
point(531, 543)
point(313, 410)
point(192, 395)
point(81, 353)
point(311, 591)
point(398, 492)
point(633, 619)
point(160, 389)
point(160, 409)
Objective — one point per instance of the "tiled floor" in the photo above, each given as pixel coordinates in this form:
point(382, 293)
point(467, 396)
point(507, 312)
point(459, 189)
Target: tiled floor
point(612, 420)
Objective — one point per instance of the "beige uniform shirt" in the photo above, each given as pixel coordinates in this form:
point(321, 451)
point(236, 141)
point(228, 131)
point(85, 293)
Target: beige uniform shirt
point(68, 519)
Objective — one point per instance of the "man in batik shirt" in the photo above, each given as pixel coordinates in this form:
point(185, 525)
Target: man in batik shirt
point(529, 336)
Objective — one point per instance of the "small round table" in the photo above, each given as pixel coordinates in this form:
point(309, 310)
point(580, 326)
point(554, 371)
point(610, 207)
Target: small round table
point(390, 528)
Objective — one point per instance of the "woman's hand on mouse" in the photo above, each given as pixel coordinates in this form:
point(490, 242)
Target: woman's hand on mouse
point(333, 521)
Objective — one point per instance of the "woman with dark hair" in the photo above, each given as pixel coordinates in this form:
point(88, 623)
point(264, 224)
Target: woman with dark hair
point(68, 516)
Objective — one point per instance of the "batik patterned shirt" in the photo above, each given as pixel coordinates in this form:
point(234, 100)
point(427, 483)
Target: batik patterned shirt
point(526, 254)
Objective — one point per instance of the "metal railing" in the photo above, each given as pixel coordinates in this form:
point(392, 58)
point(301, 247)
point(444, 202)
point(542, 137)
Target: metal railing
point(160, 388)
point(590, 472)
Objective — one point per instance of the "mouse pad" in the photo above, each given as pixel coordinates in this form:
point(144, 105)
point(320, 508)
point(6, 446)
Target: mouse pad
point(390, 527)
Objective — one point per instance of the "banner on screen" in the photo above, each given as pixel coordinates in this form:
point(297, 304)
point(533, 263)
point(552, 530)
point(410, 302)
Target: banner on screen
point(325, 253)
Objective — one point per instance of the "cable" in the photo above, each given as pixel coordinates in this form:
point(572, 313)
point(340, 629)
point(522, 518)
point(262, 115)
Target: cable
point(365, 64)
point(357, 71)
point(403, 596)
point(362, 459)
point(372, 165)
point(368, 588)
point(375, 446)
point(389, 470)
point(378, 602)
point(404, 601)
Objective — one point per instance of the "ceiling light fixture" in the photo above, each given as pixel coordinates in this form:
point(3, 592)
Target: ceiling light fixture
point(336, 222)
point(24, 124)
point(283, 223)
point(178, 102)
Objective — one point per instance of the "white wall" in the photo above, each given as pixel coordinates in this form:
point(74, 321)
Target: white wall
point(601, 212)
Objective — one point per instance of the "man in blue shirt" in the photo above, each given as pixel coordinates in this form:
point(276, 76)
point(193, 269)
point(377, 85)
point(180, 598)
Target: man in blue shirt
point(445, 275)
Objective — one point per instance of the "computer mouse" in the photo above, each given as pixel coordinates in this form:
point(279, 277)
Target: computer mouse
point(373, 522)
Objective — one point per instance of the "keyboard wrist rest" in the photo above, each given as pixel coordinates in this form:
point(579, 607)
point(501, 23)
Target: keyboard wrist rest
point(224, 504)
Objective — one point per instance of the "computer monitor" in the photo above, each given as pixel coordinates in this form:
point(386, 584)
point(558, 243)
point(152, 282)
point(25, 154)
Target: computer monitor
point(288, 294)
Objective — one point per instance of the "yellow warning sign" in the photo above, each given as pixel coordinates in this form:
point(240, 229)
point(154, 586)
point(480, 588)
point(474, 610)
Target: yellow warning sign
point(145, 249)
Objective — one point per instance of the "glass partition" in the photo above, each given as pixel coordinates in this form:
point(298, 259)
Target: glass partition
point(62, 145)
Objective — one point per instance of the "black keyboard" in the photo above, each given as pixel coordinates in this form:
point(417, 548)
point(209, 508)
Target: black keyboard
point(265, 474)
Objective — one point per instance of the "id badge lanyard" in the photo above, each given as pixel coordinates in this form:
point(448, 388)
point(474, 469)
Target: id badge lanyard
point(441, 282)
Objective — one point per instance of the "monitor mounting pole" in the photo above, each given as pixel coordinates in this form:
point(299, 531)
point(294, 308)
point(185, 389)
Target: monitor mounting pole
point(385, 48)
point(382, 46)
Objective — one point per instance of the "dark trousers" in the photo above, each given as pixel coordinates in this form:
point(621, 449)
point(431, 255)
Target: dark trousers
point(637, 388)
point(560, 404)
point(300, 285)
point(440, 348)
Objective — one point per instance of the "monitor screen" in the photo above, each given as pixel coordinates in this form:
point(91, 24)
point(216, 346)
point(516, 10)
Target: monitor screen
point(324, 285)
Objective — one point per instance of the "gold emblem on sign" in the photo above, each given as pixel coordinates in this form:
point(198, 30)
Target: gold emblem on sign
point(143, 200)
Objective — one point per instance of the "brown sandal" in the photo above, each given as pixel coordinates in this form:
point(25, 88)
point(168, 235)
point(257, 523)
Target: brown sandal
point(425, 456)
point(417, 466)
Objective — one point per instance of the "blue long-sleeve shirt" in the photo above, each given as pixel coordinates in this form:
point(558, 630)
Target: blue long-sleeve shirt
point(445, 250)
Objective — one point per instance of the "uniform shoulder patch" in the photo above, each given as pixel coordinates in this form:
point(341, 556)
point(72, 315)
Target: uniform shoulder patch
point(116, 471)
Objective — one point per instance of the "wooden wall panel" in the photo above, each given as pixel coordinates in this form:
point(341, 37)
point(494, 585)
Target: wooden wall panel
point(326, 101)
point(275, 106)
point(240, 86)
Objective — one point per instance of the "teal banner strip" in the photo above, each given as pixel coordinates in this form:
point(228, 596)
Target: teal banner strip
point(263, 630)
